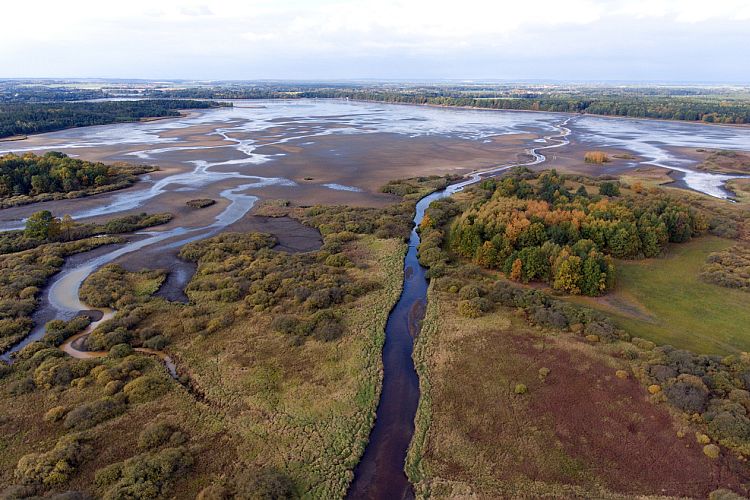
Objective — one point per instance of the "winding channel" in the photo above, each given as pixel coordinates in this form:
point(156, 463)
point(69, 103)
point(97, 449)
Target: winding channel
point(62, 293)
point(380, 473)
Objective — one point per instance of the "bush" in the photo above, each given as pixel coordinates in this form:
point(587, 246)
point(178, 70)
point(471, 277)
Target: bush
point(91, 414)
point(53, 372)
point(469, 309)
point(687, 393)
point(157, 434)
point(55, 414)
point(58, 331)
point(157, 342)
point(200, 203)
point(595, 157)
point(145, 388)
point(23, 386)
point(54, 467)
point(120, 351)
point(144, 476)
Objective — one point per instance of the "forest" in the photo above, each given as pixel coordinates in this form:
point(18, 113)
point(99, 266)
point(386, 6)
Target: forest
point(534, 227)
point(20, 118)
point(30, 178)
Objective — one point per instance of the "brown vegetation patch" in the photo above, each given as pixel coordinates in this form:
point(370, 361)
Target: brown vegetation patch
point(577, 429)
point(725, 162)
point(608, 423)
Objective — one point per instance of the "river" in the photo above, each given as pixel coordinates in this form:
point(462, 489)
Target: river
point(380, 473)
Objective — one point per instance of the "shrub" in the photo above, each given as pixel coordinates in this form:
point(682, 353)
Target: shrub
point(144, 476)
point(120, 350)
point(55, 414)
point(158, 434)
point(469, 309)
point(145, 388)
point(548, 316)
point(520, 389)
point(53, 372)
point(23, 386)
point(328, 329)
point(54, 467)
point(157, 342)
point(200, 203)
point(91, 414)
point(596, 157)
point(609, 189)
point(688, 393)
point(468, 292)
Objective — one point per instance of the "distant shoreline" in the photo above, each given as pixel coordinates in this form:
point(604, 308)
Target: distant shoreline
point(566, 113)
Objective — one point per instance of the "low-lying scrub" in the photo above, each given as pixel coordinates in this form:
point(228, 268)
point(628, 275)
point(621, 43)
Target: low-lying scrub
point(112, 285)
point(200, 203)
point(729, 268)
point(596, 157)
point(43, 228)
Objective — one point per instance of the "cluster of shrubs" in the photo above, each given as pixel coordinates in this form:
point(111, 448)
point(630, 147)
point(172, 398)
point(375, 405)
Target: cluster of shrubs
point(42, 227)
point(37, 472)
point(236, 267)
point(124, 382)
point(144, 476)
point(124, 329)
point(596, 157)
point(58, 331)
point(729, 268)
point(714, 390)
point(200, 203)
point(533, 228)
point(417, 187)
point(393, 221)
point(113, 286)
point(477, 296)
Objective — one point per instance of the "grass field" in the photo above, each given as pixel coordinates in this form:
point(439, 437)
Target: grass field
point(663, 300)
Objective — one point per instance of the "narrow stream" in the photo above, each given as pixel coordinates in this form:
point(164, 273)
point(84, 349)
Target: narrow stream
point(380, 473)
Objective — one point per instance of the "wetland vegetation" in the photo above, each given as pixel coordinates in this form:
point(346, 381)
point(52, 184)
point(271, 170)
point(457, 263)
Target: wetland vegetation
point(582, 335)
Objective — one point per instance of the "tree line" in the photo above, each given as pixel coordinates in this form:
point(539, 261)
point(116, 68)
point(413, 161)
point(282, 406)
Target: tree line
point(21, 118)
point(691, 108)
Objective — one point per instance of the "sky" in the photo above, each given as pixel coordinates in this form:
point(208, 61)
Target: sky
point(580, 40)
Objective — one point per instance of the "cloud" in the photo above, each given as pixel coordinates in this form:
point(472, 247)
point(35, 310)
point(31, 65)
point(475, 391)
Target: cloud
point(384, 39)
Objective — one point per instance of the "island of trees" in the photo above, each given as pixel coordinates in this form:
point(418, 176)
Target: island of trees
point(31, 178)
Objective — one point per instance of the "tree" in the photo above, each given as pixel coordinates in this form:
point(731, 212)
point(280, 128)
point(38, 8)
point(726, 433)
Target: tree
point(516, 271)
point(568, 273)
point(66, 226)
point(609, 189)
point(42, 226)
